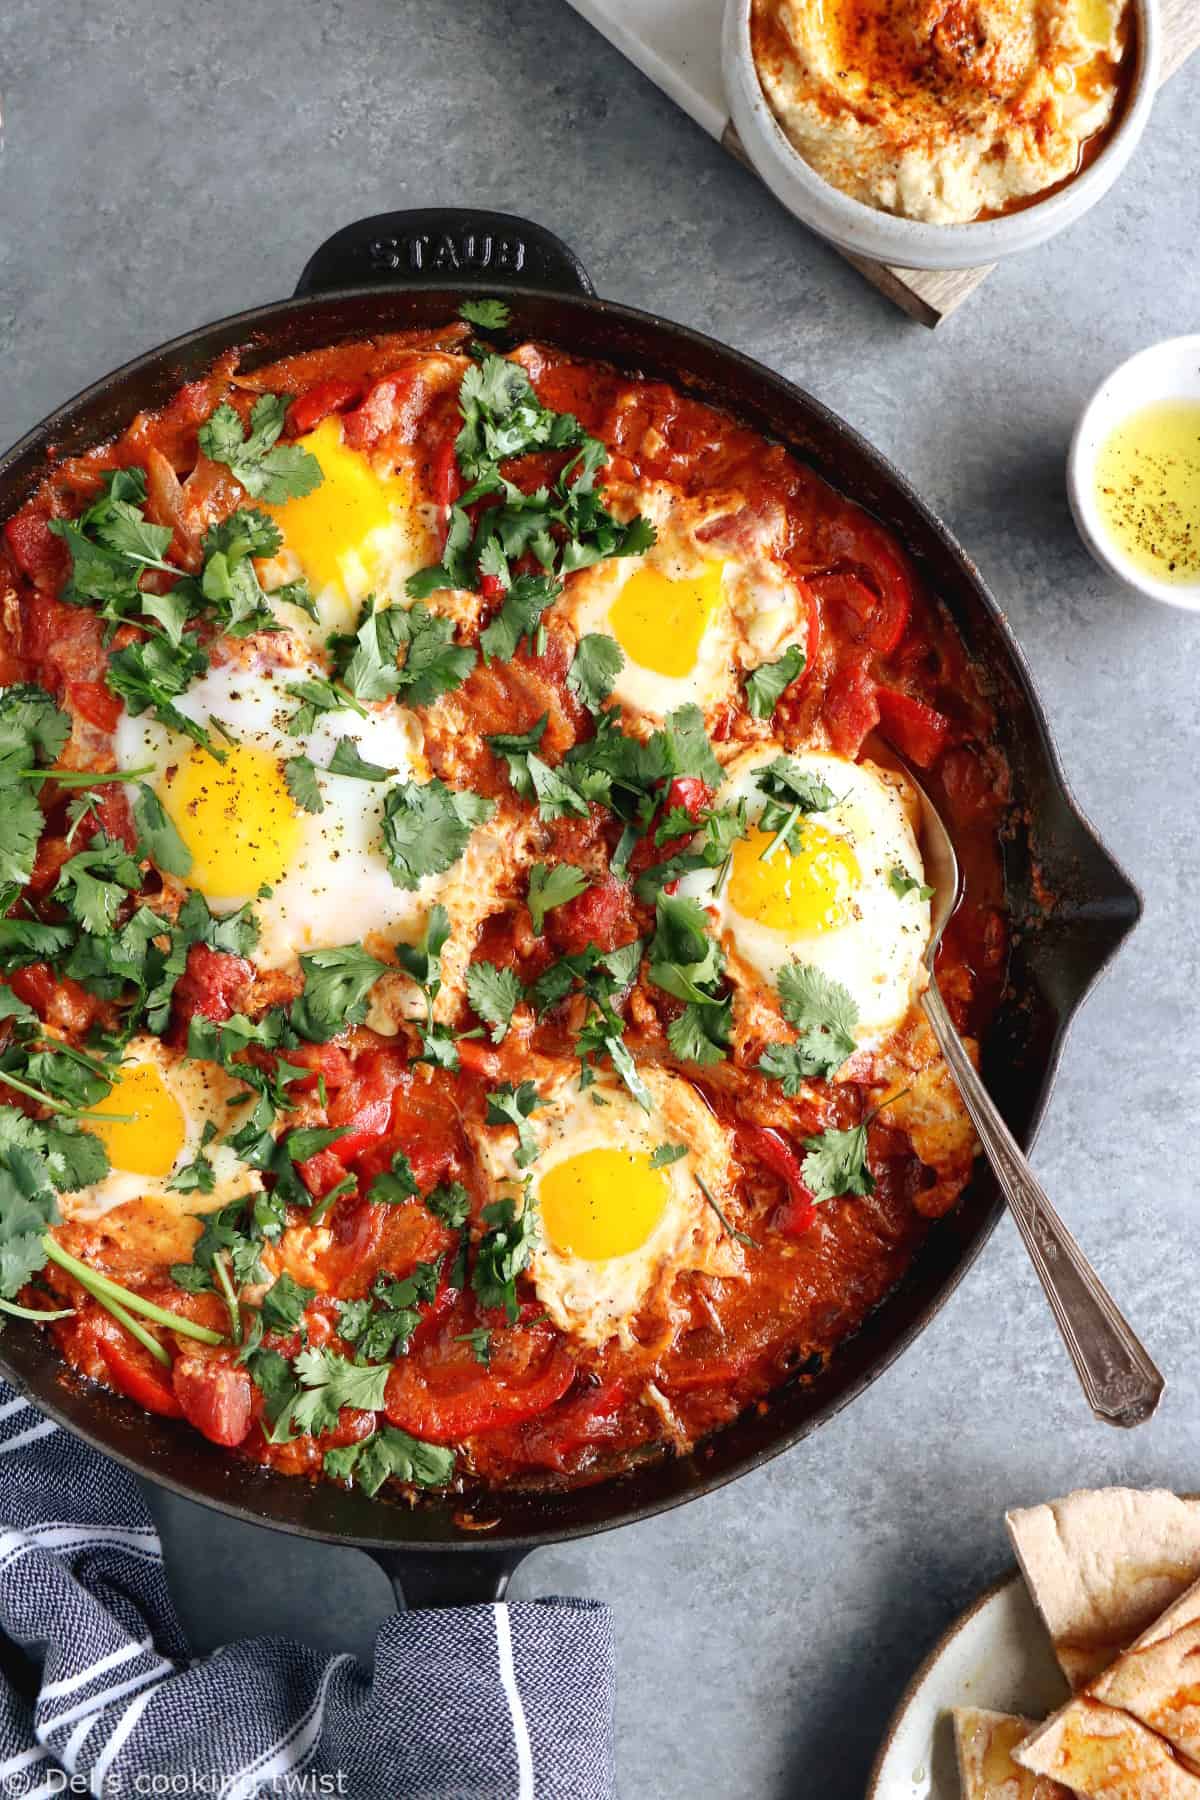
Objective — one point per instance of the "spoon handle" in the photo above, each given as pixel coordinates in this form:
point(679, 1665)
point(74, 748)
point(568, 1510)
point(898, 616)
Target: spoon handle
point(1122, 1384)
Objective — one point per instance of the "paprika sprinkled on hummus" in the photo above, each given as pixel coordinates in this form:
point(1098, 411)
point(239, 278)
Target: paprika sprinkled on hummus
point(942, 110)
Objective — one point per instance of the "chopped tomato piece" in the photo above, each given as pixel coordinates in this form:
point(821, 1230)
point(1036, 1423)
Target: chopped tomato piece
point(441, 1393)
point(325, 1061)
point(210, 985)
point(215, 1397)
point(392, 408)
point(365, 1102)
point(491, 587)
point(918, 731)
point(57, 999)
point(602, 915)
point(95, 703)
point(851, 708)
point(445, 482)
point(688, 794)
point(38, 554)
point(114, 815)
point(321, 1173)
point(132, 1370)
point(333, 395)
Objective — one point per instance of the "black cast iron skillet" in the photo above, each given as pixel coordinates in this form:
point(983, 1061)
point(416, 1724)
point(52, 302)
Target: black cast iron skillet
point(413, 269)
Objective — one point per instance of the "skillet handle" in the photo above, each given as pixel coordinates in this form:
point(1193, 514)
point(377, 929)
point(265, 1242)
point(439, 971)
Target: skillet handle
point(448, 1578)
point(445, 247)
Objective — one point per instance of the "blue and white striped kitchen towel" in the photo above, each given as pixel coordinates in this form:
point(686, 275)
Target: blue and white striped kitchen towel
point(98, 1694)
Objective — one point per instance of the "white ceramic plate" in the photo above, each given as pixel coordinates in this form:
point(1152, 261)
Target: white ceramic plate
point(996, 1655)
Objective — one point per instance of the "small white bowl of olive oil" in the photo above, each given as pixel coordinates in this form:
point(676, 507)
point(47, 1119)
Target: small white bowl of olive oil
point(1133, 473)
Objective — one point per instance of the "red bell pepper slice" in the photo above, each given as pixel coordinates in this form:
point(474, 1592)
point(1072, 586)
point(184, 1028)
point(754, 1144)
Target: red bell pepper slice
point(133, 1371)
point(441, 1393)
point(215, 1397)
point(918, 731)
point(333, 395)
point(851, 707)
point(774, 1152)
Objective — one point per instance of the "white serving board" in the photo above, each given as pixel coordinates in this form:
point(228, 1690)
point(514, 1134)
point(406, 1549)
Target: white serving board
point(677, 44)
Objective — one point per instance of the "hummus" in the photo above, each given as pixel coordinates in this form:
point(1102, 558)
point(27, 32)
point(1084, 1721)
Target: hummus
point(941, 110)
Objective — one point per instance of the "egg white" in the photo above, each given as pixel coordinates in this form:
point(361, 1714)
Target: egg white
point(759, 610)
point(204, 1094)
point(337, 888)
point(596, 1299)
point(876, 951)
point(363, 530)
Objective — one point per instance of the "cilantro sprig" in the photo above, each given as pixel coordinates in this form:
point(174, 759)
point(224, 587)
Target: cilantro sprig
point(267, 470)
point(824, 1015)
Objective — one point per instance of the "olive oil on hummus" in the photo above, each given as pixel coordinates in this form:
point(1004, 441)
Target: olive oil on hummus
point(942, 110)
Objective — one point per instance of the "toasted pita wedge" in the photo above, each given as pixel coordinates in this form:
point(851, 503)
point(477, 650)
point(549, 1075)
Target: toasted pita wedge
point(1102, 1565)
point(985, 1742)
point(1106, 1755)
point(1158, 1680)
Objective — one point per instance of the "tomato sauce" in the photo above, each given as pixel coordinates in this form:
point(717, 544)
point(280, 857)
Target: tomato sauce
point(883, 662)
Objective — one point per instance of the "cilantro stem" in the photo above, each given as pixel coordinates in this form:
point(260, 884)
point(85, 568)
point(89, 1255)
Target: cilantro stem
point(221, 1271)
point(739, 1237)
point(83, 778)
point(781, 835)
point(60, 1106)
point(131, 1325)
point(34, 1312)
point(105, 1291)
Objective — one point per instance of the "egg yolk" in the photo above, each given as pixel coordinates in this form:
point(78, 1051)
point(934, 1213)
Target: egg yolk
point(148, 1139)
point(801, 891)
point(237, 818)
point(602, 1203)
point(659, 623)
point(327, 530)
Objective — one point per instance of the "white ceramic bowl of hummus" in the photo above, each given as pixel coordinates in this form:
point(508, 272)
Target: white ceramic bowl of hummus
point(923, 176)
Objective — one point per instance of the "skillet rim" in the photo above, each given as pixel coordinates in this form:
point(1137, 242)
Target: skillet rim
point(251, 327)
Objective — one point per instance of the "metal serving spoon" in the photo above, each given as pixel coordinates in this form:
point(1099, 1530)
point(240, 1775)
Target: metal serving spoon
point(1122, 1384)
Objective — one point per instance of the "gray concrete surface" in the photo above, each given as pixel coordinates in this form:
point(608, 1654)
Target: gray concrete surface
point(165, 163)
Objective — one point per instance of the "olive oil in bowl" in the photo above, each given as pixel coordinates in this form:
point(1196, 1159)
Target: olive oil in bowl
point(1147, 490)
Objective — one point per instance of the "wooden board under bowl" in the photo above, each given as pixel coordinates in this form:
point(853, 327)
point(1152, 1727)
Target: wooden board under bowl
point(677, 43)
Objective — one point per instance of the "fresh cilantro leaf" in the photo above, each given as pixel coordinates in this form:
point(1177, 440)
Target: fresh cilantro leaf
point(434, 664)
point(449, 1202)
point(336, 985)
point(765, 685)
point(152, 674)
point(824, 1014)
point(157, 837)
point(94, 883)
point(317, 696)
point(597, 662)
point(268, 471)
point(665, 1154)
point(346, 760)
point(488, 315)
point(836, 1164)
point(394, 1185)
point(503, 1252)
point(32, 727)
point(683, 959)
point(310, 1140)
point(557, 797)
point(627, 1069)
point(508, 1105)
point(198, 1176)
point(552, 885)
point(329, 1382)
point(191, 1278)
point(788, 788)
point(300, 773)
point(514, 747)
point(423, 962)
point(284, 1303)
point(426, 828)
point(519, 616)
point(902, 884)
point(391, 1454)
point(21, 822)
point(701, 1033)
point(383, 1328)
point(480, 1341)
point(493, 993)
